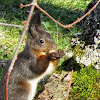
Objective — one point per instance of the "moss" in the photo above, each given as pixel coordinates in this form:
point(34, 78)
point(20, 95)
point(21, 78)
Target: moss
point(77, 51)
point(86, 85)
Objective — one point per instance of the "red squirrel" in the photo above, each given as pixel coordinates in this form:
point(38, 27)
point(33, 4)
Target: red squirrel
point(38, 59)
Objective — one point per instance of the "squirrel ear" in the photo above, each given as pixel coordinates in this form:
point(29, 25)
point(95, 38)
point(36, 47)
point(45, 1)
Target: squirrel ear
point(35, 21)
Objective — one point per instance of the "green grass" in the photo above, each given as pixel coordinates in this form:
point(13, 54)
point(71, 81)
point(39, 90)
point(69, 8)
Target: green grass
point(86, 80)
point(9, 44)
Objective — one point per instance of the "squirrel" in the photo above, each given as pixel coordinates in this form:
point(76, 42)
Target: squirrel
point(38, 59)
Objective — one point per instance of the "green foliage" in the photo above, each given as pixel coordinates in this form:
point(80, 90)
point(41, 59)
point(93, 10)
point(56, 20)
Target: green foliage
point(86, 85)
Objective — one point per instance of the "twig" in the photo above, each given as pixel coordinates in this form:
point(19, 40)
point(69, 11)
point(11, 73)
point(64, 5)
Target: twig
point(79, 19)
point(28, 5)
point(5, 24)
point(19, 44)
point(70, 25)
point(64, 26)
point(70, 82)
point(49, 15)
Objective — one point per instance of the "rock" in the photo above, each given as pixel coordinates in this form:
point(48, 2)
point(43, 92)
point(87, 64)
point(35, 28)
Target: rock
point(90, 57)
point(68, 54)
point(56, 87)
point(77, 34)
point(87, 46)
point(87, 54)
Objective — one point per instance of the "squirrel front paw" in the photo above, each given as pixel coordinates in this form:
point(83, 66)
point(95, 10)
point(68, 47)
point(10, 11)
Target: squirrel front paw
point(56, 55)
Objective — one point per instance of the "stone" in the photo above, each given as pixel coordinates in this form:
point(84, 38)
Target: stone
point(56, 87)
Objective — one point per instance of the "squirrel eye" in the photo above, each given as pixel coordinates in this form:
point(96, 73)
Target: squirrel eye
point(41, 41)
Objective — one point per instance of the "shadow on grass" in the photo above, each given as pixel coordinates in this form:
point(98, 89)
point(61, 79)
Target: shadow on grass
point(69, 64)
point(11, 11)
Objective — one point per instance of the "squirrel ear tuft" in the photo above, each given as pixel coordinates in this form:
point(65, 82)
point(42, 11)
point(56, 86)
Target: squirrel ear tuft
point(35, 21)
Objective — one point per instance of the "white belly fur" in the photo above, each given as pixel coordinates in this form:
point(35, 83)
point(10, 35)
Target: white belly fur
point(34, 82)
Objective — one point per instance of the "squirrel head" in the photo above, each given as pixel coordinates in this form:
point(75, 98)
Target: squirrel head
point(39, 41)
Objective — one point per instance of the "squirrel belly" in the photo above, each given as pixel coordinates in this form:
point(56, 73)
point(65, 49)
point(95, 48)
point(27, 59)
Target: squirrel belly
point(33, 83)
